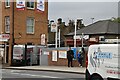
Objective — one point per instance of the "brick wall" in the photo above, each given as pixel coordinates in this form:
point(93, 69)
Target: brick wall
point(61, 61)
point(20, 17)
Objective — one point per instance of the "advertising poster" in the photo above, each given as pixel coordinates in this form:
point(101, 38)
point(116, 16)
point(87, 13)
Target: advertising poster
point(17, 53)
point(20, 4)
point(54, 55)
point(40, 5)
point(46, 53)
point(62, 54)
point(75, 51)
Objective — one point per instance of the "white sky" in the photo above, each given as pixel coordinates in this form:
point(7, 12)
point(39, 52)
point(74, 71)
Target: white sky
point(80, 9)
point(83, 0)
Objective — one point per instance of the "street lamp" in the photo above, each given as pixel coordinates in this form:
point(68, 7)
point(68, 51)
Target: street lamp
point(59, 37)
point(55, 28)
point(75, 35)
point(82, 39)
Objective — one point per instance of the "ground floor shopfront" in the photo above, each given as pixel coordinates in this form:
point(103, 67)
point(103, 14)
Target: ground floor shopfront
point(4, 52)
point(42, 56)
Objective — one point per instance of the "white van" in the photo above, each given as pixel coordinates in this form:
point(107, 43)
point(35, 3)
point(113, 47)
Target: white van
point(103, 62)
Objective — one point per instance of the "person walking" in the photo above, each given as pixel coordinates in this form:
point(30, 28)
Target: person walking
point(70, 56)
point(80, 57)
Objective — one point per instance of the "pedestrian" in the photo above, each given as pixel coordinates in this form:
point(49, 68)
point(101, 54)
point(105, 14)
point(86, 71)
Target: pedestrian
point(70, 56)
point(83, 50)
point(80, 57)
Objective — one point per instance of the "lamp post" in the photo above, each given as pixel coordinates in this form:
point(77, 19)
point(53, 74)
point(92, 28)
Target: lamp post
point(75, 36)
point(59, 37)
point(56, 36)
point(82, 39)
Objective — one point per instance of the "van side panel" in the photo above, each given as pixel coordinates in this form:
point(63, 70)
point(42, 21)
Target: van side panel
point(103, 60)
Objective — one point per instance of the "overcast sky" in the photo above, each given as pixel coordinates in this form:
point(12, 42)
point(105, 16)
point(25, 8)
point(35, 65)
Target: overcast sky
point(79, 9)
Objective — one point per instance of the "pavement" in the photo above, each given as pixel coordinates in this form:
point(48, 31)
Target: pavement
point(78, 70)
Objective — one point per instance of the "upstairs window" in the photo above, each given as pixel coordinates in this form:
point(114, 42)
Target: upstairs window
point(7, 24)
point(7, 3)
point(30, 25)
point(30, 4)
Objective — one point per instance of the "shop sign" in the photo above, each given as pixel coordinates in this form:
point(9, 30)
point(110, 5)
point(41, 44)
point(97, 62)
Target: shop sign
point(4, 37)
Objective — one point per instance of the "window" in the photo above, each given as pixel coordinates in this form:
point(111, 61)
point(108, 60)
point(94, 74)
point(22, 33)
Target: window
point(7, 3)
point(30, 25)
point(30, 4)
point(7, 24)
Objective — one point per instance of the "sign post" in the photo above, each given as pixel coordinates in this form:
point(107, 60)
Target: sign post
point(82, 39)
point(54, 29)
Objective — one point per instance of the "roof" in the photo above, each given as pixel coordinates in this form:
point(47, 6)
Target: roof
point(100, 27)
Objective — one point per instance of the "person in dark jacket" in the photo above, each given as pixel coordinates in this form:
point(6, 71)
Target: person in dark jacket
point(70, 56)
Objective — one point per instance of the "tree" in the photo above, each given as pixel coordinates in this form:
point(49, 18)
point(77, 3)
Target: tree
point(116, 19)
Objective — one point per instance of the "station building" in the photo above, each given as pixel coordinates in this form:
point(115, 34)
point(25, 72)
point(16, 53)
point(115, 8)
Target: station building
point(103, 31)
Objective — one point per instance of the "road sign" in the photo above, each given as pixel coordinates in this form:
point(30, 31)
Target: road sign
point(80, 37)
point(53, 27)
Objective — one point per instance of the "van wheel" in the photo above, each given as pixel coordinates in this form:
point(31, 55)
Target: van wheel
point(96, 77)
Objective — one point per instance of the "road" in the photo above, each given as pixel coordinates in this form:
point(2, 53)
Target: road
point(39, 75)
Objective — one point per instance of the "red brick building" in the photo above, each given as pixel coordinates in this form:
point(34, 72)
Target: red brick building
point(24, 22)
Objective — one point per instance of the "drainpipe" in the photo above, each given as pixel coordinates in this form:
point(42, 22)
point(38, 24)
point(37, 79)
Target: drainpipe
point(12, 32)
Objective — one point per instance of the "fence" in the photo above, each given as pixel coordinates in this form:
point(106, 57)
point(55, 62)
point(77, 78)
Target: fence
point(38, 55)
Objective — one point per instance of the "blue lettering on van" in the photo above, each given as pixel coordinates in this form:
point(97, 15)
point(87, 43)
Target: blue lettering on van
point(104, 55)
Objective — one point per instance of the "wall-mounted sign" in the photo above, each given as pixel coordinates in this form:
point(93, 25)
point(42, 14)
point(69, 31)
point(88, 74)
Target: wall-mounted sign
point(112, 40)
point(43, 39)
point(93, 39)
point(40, 5)
point(20, 4)
point(4, 37)
point(62, 54)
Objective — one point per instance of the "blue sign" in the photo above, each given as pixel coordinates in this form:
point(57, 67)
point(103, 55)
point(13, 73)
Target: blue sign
point(104, 55)
point(74, 50)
